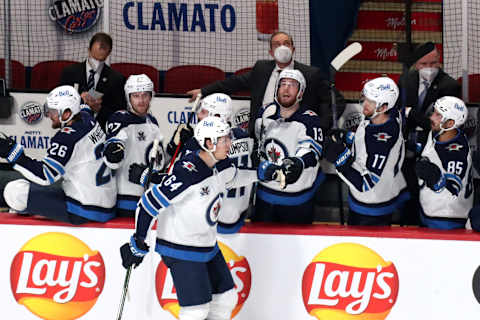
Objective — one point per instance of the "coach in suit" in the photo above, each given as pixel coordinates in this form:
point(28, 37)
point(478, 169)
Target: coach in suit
point(262, 78)
point(420, 87)
point(94, 75)
point(423, 85)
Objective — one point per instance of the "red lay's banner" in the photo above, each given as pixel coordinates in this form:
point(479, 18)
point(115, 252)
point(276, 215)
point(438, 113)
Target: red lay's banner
point(239, 267)
point(56, 276)
point(348, 281)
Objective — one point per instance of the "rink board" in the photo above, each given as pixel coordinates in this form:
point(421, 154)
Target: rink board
point(279, 272)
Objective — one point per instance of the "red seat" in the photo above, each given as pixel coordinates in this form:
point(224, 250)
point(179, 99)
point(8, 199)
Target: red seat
point(181, 79)
point(17, 74)
point(128, 69)
point(46, 74)
point(473, 87)
point(245, 93)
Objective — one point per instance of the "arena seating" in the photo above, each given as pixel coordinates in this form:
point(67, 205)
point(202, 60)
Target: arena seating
point(181, 79)
point(128, 69)
point(46, 74)
point(17, 74)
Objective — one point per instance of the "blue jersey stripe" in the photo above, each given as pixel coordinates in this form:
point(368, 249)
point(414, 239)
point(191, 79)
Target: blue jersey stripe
point(90, 214)
point(183, 254)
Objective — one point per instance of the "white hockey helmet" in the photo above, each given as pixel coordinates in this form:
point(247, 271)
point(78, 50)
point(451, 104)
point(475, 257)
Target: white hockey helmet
point(137, 83)
point(211, 128)
point(61, 99)
point(218, 104)
point(382, 90)
point(451, 108)
point(295, 75)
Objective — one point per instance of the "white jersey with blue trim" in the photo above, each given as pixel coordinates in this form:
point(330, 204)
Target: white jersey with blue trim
point(454, 159)
point(75, 154)
point(137, 135)
point(375, 180)
point(188, 204)
point(236, 201)
point(300, 136)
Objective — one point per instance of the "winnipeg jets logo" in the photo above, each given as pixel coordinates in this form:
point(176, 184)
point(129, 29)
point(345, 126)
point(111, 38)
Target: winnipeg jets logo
point(204, 191)
point(382, 136)
point(141, 136)
point(189, 166)
point(454, 147)
point(68, 130)
point(275, 150)
point(213, 210)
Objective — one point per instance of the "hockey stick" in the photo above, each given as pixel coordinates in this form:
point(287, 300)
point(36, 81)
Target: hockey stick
point(342, 58)
point(190, 116)
point(153, 158)
point(268, 112)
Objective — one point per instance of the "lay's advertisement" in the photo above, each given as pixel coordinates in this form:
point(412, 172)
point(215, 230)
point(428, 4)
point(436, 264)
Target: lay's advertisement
point(61, 273)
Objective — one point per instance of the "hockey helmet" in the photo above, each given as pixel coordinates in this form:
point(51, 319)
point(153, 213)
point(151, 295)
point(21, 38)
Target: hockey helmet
point(137, 83)
point(211, 128)
point(451, 108)
point(295, 75)
point(61, 99)
point(218, 104)
point(382, 90)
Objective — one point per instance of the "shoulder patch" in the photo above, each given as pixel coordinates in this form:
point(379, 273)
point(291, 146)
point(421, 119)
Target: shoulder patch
point(382, 136)
point(310, 113)
point(454, 147)
point(67, 130)
point(189, 166)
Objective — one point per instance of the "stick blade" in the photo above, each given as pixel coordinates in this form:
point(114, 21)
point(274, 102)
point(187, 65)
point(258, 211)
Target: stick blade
point(345, 55)
point(269, 111)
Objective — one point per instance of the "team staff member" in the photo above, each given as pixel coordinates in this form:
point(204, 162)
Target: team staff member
point(262, 78)
point(94, 74)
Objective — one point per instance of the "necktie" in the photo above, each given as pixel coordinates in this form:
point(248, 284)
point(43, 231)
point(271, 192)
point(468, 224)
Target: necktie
point(91, 80)
point(423, 94)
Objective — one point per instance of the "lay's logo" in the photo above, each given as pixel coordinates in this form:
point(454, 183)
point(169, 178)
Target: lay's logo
point(56, 276)
point(239, 268)
point(348, 281)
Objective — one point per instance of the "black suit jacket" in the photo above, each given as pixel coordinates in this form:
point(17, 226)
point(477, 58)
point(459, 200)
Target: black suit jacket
point(316, 96)
point(111, 84)
point(442, 85)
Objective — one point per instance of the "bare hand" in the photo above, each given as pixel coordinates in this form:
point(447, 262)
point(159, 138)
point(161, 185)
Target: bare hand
point(194, 93)
point(94, 104)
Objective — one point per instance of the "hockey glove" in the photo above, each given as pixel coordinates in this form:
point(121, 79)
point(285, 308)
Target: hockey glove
point(9, 149)
point(339, 155)
point(341, 136)
point(114, 152)
point(267, 171)
point(133, 252)
point(183, 133)
point(137, 173)
point(430, 173)
point(292, 168)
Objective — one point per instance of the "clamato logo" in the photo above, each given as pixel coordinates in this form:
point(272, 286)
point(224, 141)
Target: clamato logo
point(239, 267)
point(56, 276)
point(348, 281)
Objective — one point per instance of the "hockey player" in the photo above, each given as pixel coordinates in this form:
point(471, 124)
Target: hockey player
point(292, 139)
point(130, 135)
point(187, 205)
point(236, 201)
point(445, 169)
point(75, 154)
point(370, 162)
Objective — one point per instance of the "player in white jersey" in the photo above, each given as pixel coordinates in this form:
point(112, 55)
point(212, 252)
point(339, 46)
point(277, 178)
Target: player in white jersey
point(370, 162)
point(236, 201)
point(130, 135)
point(88, 191)
point(445, 168)
point(187, 205)
point(291, 139)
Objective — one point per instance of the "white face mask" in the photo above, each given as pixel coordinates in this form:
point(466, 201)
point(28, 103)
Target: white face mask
point(428, 73)
point(283, 54)
point(95, 64)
